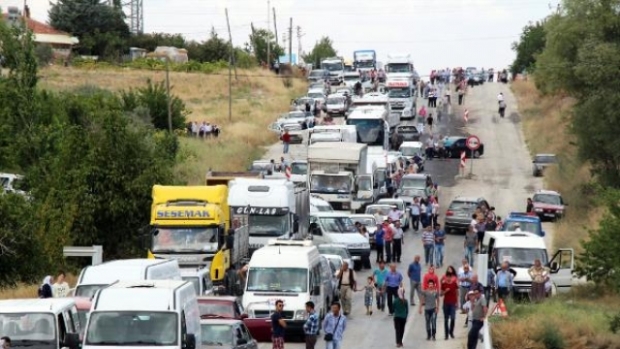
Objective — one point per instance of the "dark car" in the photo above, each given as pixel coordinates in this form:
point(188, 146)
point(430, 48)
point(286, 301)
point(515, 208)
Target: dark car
point(548, 204)
point(541, 162)
point(409, 133)
point(460, 211)
point(221, 307)
point(456, 144)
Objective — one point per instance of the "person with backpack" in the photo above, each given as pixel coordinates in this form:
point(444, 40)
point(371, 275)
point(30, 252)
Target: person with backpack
point(45, 290)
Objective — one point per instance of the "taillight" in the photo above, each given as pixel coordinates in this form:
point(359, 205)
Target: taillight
point(449, 213)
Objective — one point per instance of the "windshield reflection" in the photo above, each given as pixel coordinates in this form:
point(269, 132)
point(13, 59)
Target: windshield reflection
point(185, 239)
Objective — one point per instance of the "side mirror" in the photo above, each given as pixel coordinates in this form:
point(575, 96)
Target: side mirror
point(72, 341)
point(296, 226)
point(316, 291)
point(555, 266)
point(244, 316)
point(190, 341)
point(375, 186)
point(155, 231)
point(542, 233)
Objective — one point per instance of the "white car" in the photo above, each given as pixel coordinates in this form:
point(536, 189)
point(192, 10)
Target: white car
point(402, 207)
point(336, 105)
point(317, 95)
point(336, 249)
point(370, 222)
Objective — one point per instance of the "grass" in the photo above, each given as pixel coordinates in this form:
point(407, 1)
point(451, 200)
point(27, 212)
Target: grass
point(258, 98)
point(546, 129)
point(578, 320)
point(30, 291)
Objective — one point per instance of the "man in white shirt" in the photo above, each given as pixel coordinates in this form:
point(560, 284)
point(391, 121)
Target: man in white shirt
point(415, 214)
point(397, 242)
point(500, 97)
point(394, 215)
point(61, 288)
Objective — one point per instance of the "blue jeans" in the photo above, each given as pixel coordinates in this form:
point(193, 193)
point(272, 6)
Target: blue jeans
point(381, 298)
point(439, 254)
point(469, 254)
point(449, 314)
point(431, 321)
point(285, 150)
point(334, 344)
point(428, 254)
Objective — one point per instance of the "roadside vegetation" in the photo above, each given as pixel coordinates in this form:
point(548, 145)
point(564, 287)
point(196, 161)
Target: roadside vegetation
point(569, 106)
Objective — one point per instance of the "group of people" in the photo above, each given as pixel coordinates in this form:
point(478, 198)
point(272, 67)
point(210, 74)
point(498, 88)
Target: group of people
point(51, 289)
point(202, 130)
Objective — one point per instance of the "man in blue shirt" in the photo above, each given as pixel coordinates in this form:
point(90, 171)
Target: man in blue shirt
point(504, 280)
point(415, 278)
point(379, 233)
point(379, 276)
point(334, 323)
point(277, 326)
point(440, 238)
point(311, 327)
point(393, 280)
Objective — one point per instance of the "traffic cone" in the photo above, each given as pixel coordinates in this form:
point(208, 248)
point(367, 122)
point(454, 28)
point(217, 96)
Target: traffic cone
point(502, 308)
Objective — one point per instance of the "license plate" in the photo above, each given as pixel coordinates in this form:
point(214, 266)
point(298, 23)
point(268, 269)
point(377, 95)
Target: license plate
point(549, 214)
point(356, 258)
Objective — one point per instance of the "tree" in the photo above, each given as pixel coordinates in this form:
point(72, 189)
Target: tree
point(213, 50)
point(101, 28)
point(150, 42)
point(257, 45)
point(322, 49)
point(531, 43)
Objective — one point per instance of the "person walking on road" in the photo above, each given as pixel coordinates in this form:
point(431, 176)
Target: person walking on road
point(464, 278)
point(469, 245)
point(479, 313)
point(428, 241)
point(481, 227)
point(450, 293)
point(415, 214)
point(286, 140)
point(334, 326)
point(397, 241)
point(369, 292)
point(379, 234)
point(346, 285)
point(278, 326)
point(379, 275)
point(415, 279)
point(430, 305)
point(311, 327)
point(440, 243)
point(401, 312)
point(393, 281)
point(388, 237)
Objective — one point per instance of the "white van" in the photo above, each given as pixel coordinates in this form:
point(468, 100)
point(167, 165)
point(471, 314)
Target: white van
point(95, 277)
point(43, 323)
point(200, 279)
point(141, 314)
point(338, 228)
point(287, 270)
point(520, 249)
point(319, 205)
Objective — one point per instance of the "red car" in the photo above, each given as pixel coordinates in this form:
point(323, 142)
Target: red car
point(548, 204)
point(223, 307)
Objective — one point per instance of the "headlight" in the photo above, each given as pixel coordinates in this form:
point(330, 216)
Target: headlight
point(366, 246)
point(406, 112)
point(300, 315)
point(538, 209)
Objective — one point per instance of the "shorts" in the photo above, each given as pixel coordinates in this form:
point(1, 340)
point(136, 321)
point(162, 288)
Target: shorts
point(277, 342)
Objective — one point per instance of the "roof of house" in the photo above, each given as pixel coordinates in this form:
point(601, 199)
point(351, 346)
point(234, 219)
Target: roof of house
point(45, 33)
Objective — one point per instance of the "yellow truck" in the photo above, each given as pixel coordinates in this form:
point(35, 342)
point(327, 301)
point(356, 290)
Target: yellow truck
point(191, 223)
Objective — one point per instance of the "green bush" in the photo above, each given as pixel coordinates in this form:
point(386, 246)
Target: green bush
point(160, 65)
point(550, 336)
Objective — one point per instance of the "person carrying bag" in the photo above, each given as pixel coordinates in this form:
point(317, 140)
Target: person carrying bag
point(337, 323)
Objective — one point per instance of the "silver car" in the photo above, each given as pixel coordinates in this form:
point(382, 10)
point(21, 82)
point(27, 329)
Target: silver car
point(226, 333)
point(402, 207)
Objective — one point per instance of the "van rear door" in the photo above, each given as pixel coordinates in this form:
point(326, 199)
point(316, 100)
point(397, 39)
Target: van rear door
point(562, 265)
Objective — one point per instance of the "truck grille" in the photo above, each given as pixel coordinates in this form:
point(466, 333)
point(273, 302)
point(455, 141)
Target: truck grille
point(338, 206)
point(358, 252)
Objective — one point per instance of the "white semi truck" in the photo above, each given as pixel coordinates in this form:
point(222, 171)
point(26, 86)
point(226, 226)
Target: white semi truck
point(401, 93)
point(377, 100)
point(335, 169)
point(371, 126)
point(400, 66)
point(335, 67)
point(271, 208)
point(332, 133)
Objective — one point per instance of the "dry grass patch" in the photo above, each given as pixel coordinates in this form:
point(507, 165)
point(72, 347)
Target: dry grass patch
point(546, 129)
point(258, 98)
point(29, 291)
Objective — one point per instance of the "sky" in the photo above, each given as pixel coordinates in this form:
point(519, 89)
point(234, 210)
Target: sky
point(436, 33)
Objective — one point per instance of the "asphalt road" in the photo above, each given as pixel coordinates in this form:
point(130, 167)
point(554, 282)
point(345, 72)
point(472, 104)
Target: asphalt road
point(502, 175)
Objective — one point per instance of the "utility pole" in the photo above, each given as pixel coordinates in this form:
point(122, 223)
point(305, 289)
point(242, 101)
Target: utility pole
point(290, 42)
point(275, 25)
point(299, 35)
point(268, 39)
point(169, 100)
point(232, 49)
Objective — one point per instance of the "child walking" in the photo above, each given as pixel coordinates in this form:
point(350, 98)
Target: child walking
point(369, 291)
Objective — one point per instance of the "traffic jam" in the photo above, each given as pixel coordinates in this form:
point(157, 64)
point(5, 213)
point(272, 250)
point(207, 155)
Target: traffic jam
point(223, 256)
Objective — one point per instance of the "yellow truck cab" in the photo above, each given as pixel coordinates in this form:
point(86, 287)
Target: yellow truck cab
point(190, 224)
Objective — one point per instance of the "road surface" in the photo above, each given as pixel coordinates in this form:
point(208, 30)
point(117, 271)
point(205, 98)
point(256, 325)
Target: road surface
point(502, 175)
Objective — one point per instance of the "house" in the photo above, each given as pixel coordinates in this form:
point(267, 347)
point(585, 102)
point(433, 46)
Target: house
point(43, 34)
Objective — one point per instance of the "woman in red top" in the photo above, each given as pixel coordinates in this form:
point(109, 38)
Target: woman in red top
point(450, 294)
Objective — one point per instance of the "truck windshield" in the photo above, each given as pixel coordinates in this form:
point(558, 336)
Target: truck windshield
point(398, 68)
point(268, 225)
point(333, 66)
point(299, 168)
point(365, 64)
point(87, 291)
point(548, 199)
point(369, 131)
point(321, 183)
point(31, 328)
point(364, 183)
point(185, 239)
point(132, 328)
point(338, 225)
point(531, 227)
point(396, 92)
point(278, 279)
point(195, 282)
point(521, 257)
point(410, 151)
